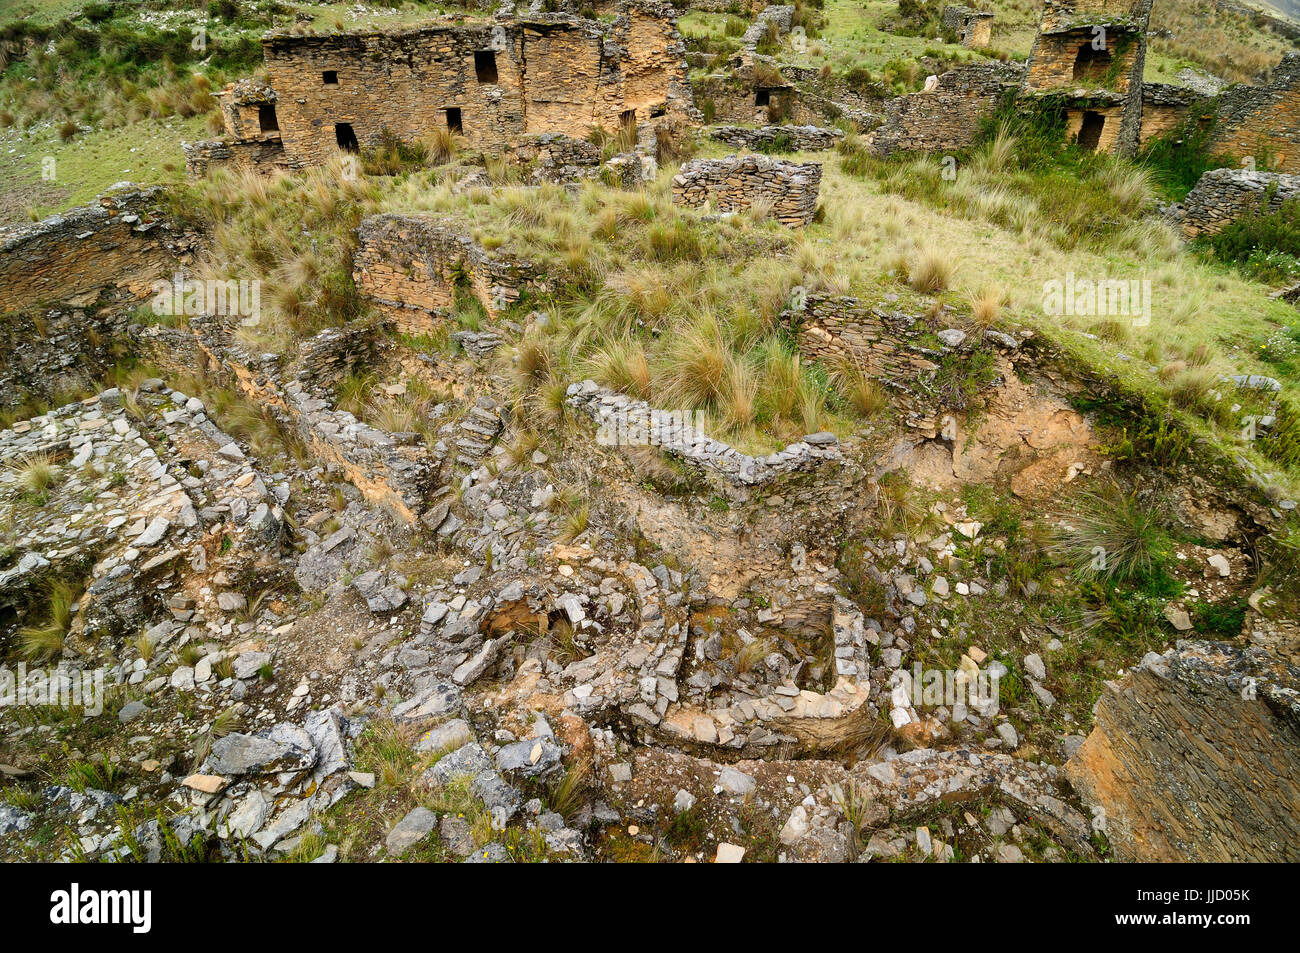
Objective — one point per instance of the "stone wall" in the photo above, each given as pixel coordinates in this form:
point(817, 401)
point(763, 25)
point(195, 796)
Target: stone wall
point(1221, 196)
point(617, 413)
point(1065, 57)
point(1164, 109)
point(794, 138)
point(117, 247)
point(46, 352)
point(741, 182)
point(947, 116)
point(393, 470)
point(1263, 121)
point(776, 19)
point(973, 28)
point(1195, 757)
point(833, 328)
point(264, 156)
point(492, 81)
point(412, 267)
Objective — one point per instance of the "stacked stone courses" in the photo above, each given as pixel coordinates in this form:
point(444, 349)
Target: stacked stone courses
point(737, 183)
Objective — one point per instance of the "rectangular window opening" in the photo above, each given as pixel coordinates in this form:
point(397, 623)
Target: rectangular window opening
point(762, 97)
point(330, 77)
point(485, 66)
point(266, 120)
point(453, 120)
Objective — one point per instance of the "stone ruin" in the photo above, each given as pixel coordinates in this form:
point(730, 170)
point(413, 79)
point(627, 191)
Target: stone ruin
point(1195, 757)
point(1262, 121)
point(1164, 109)
point(492, 82)
point(775, 19)
point(832, 329)
point(973, 28)
point(1093, 53)
point(413, 267)
point(1221, 196)
point(791, 138)
point(787, 191)
point(116, 248)
point(253, 142)
point(945, 115)
point(617, 413)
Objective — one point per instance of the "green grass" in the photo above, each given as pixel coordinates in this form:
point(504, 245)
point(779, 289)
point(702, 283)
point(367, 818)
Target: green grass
point(148, 152)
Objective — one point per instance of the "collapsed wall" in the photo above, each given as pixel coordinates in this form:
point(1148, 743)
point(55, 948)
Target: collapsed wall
point(835, 328)
point(788, 190)
point(116, 248)
point(947, 114)
point(1262, 121)
point(787, 138)
point(1221, 196)
point(413, 267)
point(1195, 756)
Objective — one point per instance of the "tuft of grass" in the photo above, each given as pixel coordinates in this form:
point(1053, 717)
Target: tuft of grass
point(35, 473)
point(856, 387)
point(1112, 535)
point(930, 270)
point(45, 641)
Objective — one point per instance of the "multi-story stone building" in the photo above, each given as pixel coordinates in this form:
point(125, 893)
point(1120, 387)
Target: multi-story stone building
point(492, 81)
point(1092, 52)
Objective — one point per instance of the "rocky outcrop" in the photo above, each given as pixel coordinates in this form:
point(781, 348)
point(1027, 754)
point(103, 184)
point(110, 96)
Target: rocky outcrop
point(1196, 757)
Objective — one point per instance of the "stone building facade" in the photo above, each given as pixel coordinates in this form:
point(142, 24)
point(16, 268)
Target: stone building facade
point(1093, 52)
point(1263, 121)
point(973, 28)
point(735, 183)
point(492, 81)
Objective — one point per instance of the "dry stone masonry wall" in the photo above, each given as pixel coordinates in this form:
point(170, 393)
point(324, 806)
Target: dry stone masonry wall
point(617, 413)
point(412, 267)
point(947, 116)
point(1094, 52)
point(791, 138)
point(1221, 196)
point(833, 328)
point(1263, 120)
point(117, 247)
point(1196, 757)
point(735, 183)
point(494, 82)
point(973, 28)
